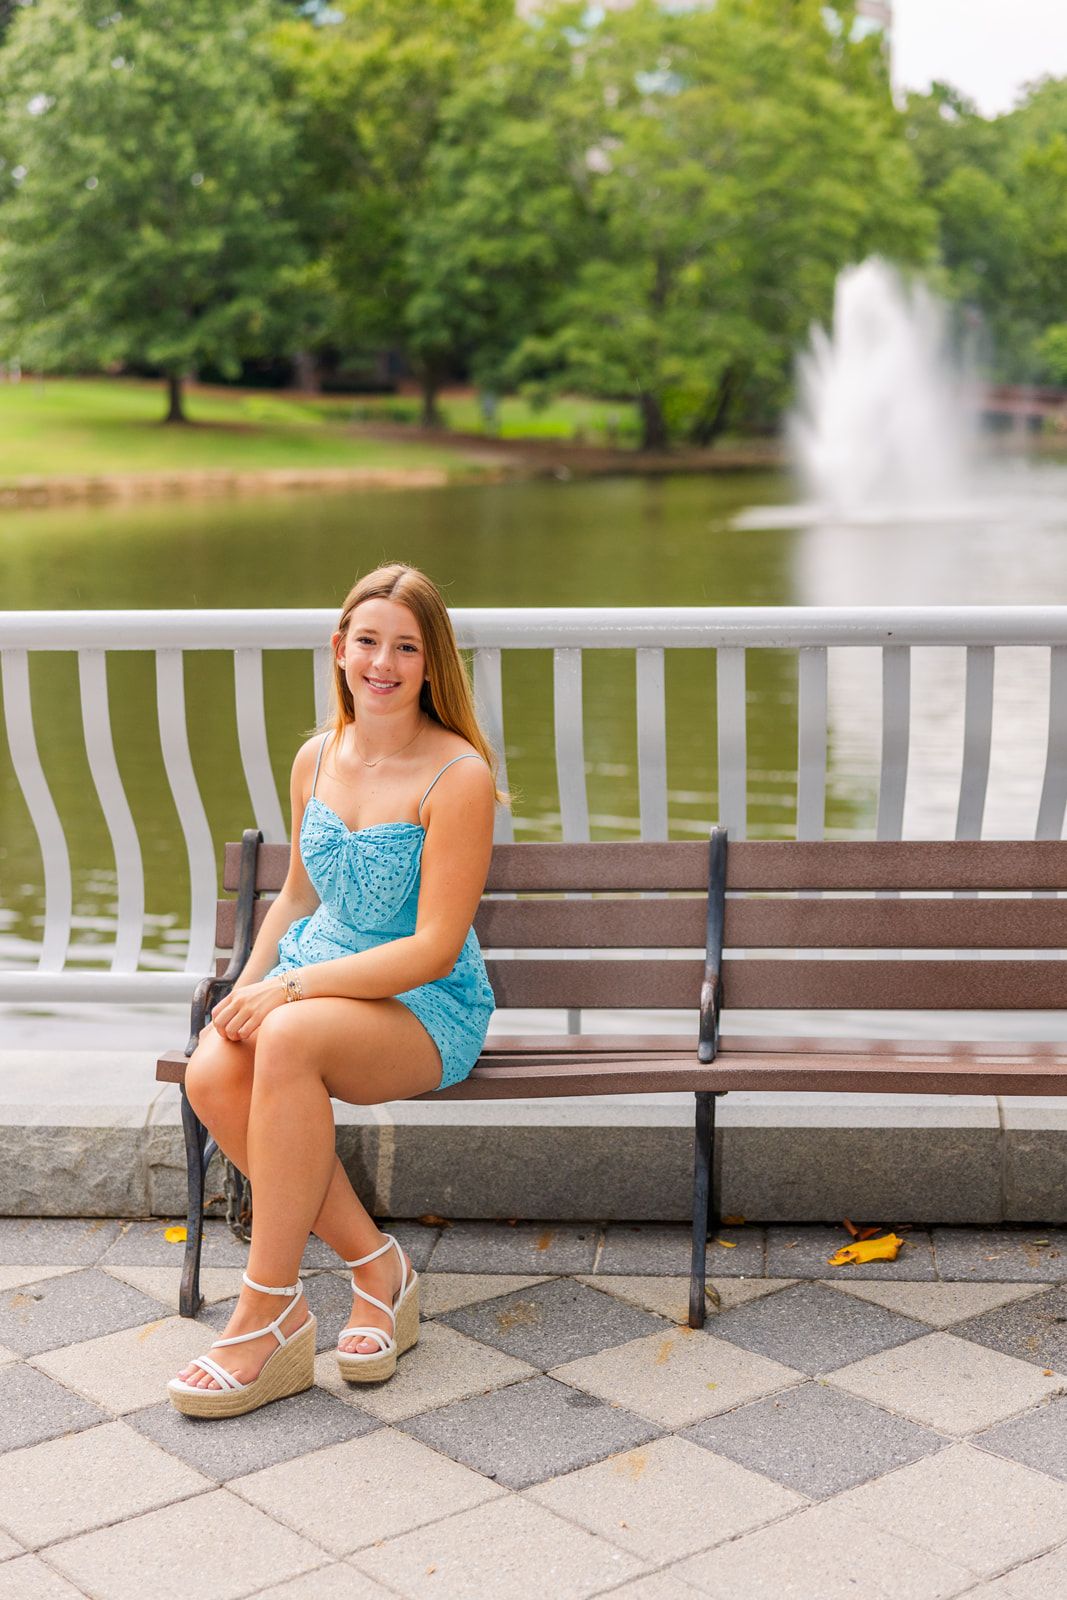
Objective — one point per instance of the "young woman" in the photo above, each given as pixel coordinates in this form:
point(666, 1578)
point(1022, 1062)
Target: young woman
point(365, 983)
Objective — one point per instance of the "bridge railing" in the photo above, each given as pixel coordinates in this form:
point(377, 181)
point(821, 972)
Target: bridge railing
point(807, 635)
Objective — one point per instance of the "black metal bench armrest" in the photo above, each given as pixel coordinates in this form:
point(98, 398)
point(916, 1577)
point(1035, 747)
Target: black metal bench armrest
point(711, 988)
point(210, 990)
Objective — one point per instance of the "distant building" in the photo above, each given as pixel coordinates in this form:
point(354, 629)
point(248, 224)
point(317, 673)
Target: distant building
point(874, 16)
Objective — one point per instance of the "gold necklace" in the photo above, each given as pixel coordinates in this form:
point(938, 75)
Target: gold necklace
point(392, 753)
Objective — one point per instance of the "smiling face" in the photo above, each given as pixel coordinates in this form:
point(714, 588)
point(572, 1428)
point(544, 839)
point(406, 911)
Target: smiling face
point(382, 657)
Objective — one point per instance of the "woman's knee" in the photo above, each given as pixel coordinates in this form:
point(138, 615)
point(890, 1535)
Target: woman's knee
point(218, 1075)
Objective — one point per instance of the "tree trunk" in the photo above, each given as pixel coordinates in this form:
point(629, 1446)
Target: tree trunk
point(712, 420)
point(306, 373)
point(175, 411)
point(431, 415)
point(653, 424)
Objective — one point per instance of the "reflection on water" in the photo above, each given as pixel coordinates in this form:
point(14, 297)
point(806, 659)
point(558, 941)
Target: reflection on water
point(610, 542)
point(1014, 553)
point(626, 541)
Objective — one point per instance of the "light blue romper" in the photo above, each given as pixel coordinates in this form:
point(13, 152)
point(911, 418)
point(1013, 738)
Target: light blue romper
point(368, 885)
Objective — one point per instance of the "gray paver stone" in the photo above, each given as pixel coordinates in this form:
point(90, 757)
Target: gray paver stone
point(33, 1408)
point(531, 1431)
point(144, 1244)
point(815, 1439)
point(1033, 1330)
point(804, 1252)
point(1001, 1255)
point(33, 1241)
point(738, 1253)
point(81, 1305)
point(1038, 1438)
point(558, 1321)
point(814, 1329)
point(531, 1247)
point(417, 1238)
point(224, 1448)
point(660, 1249)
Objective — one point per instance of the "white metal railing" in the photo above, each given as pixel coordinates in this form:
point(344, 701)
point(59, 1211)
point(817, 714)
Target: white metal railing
point(810, 632)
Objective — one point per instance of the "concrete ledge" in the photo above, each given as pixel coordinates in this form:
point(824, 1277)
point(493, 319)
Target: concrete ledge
point(93, 1134)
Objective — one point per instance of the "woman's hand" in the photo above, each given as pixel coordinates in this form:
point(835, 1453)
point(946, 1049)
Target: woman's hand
point(241, 1014)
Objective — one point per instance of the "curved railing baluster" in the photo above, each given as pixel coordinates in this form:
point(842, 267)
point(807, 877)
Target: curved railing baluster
point(1053, 802)
point(100, 749)
point(733, 739)
point(322, 668)
point(896, 734)
point(489, 698)
point(651, 742)
point(977, 741)
point(252, 740)
point(811, 742)
point(174, 740)
point(570, 744)
point(58, 898)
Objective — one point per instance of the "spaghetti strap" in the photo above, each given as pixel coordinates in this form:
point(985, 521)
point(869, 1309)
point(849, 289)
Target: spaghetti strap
point(318, 764)
point(470, 755)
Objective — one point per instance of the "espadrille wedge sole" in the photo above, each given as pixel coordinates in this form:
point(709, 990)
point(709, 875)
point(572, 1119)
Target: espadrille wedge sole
point(380, 1364)
point(288, 1370)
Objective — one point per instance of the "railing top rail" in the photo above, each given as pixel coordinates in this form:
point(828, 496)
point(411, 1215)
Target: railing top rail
point(541, 627)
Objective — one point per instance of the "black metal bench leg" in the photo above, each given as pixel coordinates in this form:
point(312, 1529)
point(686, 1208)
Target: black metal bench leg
point(703, 1187)
point(198, 1152)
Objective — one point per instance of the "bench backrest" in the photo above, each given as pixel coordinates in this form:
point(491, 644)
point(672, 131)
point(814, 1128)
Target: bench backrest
point(964, 897)
point(524, 909)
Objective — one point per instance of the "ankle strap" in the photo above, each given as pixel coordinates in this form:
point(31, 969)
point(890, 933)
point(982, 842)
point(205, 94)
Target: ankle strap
point(388, 1245)
point(261, 1288)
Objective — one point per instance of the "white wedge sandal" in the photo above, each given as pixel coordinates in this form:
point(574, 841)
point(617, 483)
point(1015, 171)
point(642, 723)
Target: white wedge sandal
point(288, 1370)
point(404, 1312)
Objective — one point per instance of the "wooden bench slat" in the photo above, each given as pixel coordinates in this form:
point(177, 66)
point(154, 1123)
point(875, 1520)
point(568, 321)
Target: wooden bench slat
point(775, 923)
point(1002, 924)
point(894, 985)
point(596, 984)
point(591, 924)
point(865, 1073)
point(896, 864)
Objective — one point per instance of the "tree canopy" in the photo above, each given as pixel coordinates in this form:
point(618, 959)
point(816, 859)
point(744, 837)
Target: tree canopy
point(147, 216)
point(649, 204)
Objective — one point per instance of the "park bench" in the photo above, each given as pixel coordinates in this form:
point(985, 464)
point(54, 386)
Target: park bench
point(620, 926)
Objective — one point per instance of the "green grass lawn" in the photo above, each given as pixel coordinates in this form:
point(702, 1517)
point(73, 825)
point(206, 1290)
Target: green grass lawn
point(103, 425)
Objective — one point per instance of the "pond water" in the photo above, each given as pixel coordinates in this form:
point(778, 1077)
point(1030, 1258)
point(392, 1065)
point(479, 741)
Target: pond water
point(625, 541)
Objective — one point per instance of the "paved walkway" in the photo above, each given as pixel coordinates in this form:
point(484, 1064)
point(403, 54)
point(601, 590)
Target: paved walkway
point(557, 1432)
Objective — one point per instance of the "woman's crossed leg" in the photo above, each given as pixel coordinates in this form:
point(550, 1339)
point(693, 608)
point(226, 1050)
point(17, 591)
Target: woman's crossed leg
point(266, 1103)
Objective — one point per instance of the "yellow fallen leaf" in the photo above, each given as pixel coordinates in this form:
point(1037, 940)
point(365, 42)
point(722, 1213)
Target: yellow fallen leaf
point(884, 1249)
point(175, 1235)
point(730, 1244)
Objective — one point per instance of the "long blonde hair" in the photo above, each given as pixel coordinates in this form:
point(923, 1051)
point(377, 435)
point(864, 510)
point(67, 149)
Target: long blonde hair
point(446, 694)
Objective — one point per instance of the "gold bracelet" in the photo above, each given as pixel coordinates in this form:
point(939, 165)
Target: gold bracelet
point(293, 988)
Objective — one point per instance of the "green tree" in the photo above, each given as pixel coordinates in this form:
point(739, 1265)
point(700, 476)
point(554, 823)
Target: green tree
point(505, 217)
point(999, 187)
point(745, 154)
point(367, 93)
point(147, 213)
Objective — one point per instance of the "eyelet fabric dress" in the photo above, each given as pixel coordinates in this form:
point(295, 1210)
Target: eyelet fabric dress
point(367, 881)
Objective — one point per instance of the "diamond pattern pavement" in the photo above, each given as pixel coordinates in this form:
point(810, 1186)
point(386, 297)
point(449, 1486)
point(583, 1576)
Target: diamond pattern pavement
point(558, 1429)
